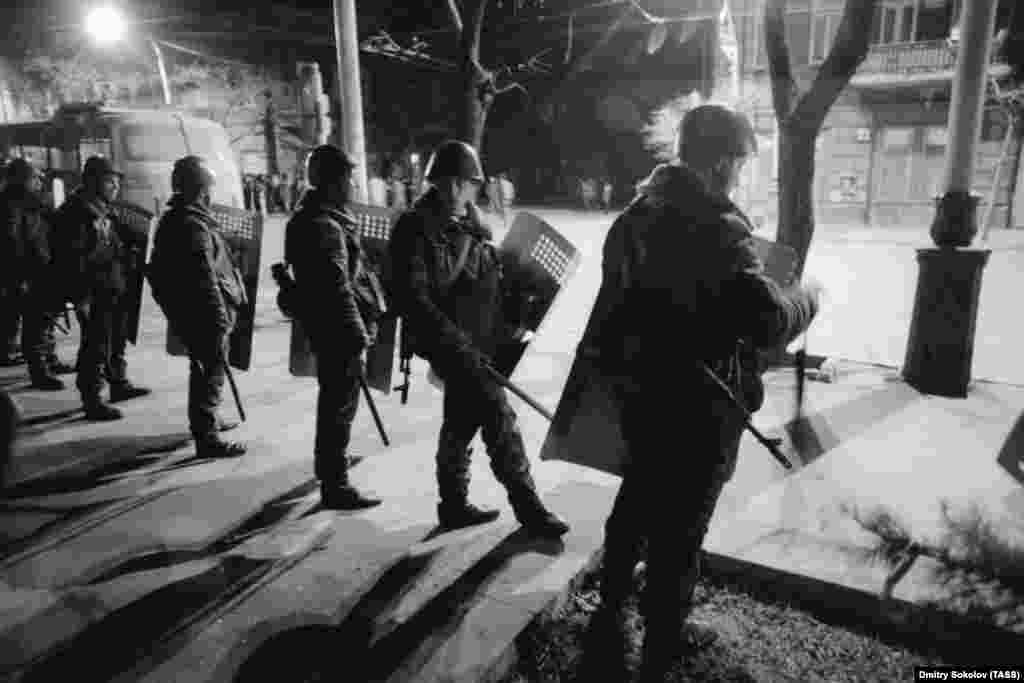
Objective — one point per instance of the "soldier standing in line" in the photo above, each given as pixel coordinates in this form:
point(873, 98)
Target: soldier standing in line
point(681, 251)
point(447, 287)
point(94, 260)
point(338, 306)
point(195, 282)
point(29, 272)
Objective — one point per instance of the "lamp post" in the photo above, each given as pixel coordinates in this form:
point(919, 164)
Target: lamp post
point(940, 346)
point(106, 26)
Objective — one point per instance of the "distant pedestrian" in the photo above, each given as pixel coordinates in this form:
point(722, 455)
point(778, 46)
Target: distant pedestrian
point(606, 194)
point(247, 192)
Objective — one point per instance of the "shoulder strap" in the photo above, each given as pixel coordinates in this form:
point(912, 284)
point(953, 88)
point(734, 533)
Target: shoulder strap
point(460, 264)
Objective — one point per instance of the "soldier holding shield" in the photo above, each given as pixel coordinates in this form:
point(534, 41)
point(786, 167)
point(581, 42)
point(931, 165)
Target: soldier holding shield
point(95, 254)
point(195, 282)
point(681, 252)
point(446, 284)
point(336, 300)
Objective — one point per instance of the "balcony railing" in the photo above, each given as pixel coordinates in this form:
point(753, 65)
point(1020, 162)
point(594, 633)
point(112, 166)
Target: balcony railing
point(908, 63)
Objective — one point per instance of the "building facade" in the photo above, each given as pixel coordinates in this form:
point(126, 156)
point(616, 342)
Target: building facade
point(881, 153)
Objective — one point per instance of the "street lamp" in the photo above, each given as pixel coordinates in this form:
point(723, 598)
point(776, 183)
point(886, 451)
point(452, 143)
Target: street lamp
point(106, 26)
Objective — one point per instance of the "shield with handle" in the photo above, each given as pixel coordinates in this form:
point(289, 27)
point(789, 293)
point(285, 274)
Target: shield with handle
point(133, 224)
point(537, 262)
point(375, 224)
point(587, 426)
point(243, 232)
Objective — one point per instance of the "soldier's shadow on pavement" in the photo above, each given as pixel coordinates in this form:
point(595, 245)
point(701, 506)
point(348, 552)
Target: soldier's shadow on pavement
point(367, 645)
point(118, 457)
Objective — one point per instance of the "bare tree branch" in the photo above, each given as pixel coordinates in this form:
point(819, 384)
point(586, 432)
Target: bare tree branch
point(473, 28)
point(848, 51)
point(784, 88)
point(453, 11)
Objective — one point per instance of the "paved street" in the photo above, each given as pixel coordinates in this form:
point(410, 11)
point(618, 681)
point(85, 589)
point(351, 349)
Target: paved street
point(120, 546)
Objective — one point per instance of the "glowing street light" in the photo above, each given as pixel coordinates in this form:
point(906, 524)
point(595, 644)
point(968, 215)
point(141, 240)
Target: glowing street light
point(106, 26)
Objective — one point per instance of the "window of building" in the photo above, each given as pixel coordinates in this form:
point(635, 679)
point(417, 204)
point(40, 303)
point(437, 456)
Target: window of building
point(894, 22)
point(934, 18)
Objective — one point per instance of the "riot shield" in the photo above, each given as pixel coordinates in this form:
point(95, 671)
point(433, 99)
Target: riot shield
point(375, 224)
point(587, 428)
point(133, 224)
point(243, 232)
point(537, 261)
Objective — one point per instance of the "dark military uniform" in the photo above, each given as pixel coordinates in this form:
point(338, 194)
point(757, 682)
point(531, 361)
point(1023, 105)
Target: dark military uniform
point(92, 258)
point(30, 285)
point(455, 324)
point(196, 284)
point(334, 294)
point(679, 254)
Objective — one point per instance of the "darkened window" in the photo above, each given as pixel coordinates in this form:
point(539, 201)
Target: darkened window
point(933, 19)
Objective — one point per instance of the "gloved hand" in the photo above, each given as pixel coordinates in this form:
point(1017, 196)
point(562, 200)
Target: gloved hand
point(83, 308)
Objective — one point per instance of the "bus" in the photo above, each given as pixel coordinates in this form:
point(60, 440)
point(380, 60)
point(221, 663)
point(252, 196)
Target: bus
point(142, 143)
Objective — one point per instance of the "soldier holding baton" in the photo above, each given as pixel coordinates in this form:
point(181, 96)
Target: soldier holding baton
point(195, 282)
point(680, 252)
point(338, 302)
point(446, 284)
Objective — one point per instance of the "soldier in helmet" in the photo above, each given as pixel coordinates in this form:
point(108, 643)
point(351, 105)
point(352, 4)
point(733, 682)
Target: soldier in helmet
point(681, 251)
point(447, 286)
point(194, 281)
point(93, 256)
point(30, 285)
point(338, 311)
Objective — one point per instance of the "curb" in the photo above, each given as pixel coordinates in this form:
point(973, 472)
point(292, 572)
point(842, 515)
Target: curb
point(920, 628)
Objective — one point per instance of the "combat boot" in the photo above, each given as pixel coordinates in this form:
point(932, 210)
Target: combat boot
point(532, 514)
point(46, 381)
point(217, 448)
point(663, 647)
point(98, 411)
point(124, 391)
point(459, 514)
point(345, 496)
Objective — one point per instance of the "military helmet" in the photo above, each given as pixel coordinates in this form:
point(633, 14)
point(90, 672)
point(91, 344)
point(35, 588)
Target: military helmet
point(19, 171)
point(455, 159)
point(327, 163)
point(96, 167)
point(711, 132)
point(191, 173)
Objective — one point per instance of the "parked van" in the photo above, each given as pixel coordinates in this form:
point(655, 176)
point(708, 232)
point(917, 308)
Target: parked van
point(142, 143)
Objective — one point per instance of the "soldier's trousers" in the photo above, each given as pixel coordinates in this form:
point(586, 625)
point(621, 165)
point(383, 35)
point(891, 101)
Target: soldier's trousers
point(102, 347)
point(38, 320)
point(679, 464)
point(207, 354)
point(474, 403)
point(336, 406)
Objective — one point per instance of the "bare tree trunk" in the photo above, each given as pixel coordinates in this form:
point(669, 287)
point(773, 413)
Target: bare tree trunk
point(796, 191)
point(800, 115)
point(476, 82)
